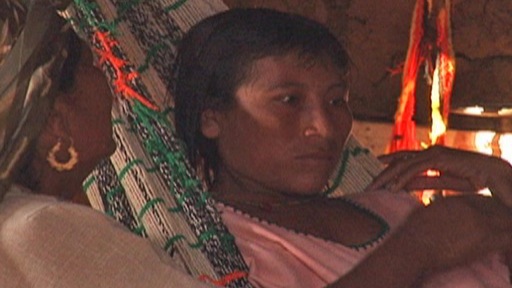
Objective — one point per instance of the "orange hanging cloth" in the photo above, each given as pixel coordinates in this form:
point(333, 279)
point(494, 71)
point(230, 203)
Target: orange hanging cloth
point(430, 45)
point(404, 131)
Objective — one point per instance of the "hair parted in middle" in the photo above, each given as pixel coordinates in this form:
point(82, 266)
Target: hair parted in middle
point(215, 57)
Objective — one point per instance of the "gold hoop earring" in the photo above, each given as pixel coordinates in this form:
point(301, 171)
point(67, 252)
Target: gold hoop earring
point(62, 166)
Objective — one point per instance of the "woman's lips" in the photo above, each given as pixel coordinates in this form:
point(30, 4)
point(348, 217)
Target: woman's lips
point(316, 157)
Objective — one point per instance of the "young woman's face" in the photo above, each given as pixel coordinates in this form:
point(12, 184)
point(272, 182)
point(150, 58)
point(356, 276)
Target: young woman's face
point(288, 126)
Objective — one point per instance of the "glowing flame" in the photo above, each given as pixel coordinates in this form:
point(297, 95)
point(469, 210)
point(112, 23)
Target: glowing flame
point(438, 127)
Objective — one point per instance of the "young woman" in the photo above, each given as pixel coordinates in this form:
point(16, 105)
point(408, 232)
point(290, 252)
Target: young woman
point(56, 127)
point(262, 106)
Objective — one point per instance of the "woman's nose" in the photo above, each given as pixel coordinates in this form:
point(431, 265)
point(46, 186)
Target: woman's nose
point(317, 122)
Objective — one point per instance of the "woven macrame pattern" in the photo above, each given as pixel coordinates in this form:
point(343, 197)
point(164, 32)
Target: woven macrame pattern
point(147, 184)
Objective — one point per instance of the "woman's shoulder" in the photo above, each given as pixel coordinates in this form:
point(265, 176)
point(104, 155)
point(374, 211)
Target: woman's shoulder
point(41, 235)
point(20, 204)
point(23, 211)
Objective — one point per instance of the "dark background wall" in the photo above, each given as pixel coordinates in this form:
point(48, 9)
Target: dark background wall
point(376, 33)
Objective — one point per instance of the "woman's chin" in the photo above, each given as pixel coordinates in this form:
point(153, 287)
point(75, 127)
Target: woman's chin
point(85, 168)
point(108, 148)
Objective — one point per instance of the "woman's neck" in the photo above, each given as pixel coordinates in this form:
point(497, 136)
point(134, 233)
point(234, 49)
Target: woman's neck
point(236, 190)
point(63, 185)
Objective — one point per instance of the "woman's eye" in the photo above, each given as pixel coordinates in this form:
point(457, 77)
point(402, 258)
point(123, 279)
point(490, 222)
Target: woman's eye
point(338, 101)
point(289, 99)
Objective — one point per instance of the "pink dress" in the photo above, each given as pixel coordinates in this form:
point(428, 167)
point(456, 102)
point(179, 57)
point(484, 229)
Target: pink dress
point(278, 257)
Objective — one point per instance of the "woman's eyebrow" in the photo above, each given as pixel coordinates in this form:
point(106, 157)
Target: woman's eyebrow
point(340, 85)
point(279, 85)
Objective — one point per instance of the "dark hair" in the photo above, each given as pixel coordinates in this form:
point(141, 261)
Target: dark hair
point(68, 71)
point(215, 57)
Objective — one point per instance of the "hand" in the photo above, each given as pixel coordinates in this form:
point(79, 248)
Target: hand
point(456, 230)
point(459, 170)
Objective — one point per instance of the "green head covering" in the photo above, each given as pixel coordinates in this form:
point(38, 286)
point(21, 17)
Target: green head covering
point(32, 51)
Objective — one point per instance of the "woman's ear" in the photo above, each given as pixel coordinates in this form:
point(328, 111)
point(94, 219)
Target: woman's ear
point(210, 126)
point(54, 129)
point(58, 116)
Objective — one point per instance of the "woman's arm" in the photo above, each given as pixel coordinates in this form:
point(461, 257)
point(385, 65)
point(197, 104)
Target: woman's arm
point(447, 233)
point(394, 264)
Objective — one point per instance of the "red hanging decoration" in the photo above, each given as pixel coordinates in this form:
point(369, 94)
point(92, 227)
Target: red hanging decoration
point(429, 45)
point(404, 130)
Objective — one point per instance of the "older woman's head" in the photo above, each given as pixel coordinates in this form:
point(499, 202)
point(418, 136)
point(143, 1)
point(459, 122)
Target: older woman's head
point(54, 105)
